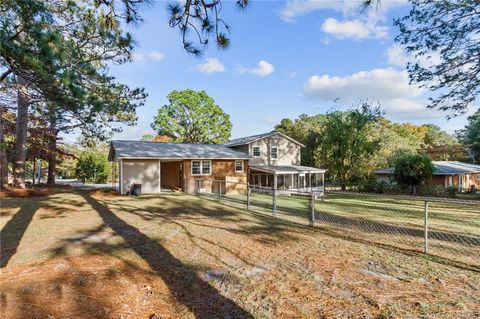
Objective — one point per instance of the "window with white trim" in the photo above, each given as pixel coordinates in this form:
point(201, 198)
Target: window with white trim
point(273, 153)
point(256, 151)
point(201, 167)
point(238, 166)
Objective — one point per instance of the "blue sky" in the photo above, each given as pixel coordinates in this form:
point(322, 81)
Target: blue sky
point(285, 59)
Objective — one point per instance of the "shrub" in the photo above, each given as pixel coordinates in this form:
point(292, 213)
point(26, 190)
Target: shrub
point(92, 167)
point(413, 170)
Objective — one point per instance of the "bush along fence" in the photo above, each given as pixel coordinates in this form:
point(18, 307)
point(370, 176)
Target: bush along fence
point(444, 227)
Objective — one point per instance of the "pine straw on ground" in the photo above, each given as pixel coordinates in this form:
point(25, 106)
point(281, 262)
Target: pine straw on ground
point(272, 270)
point(24, 192)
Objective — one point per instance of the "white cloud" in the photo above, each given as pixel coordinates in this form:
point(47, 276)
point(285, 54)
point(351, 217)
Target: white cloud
point(211, 65)
point(263, 69)
point(396, 55)
point(377, 84)
point(296, 8)
point(354, 29)
point(148, 56)
point(390, 87)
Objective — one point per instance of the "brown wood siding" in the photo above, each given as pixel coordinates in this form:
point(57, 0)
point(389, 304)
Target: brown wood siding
point(223, 170)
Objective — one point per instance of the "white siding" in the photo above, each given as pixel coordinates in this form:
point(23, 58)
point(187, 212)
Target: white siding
point(288, 152)
point(145, 172)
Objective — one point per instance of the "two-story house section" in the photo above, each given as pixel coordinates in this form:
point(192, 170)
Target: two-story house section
point(275, 162)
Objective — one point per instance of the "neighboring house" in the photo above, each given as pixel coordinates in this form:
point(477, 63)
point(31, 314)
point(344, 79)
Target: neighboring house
point(166, 166)
point(275, 162)
point(266, 160)
point(447, 173)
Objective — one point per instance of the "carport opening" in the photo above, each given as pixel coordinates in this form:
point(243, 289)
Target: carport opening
point(171, 176)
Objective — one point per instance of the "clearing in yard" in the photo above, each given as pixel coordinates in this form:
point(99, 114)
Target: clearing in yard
point(81, 254)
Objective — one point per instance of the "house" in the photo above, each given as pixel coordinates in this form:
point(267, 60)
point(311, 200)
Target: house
point(165, 166)
point(275, 163)
point(447, 173)
point(265, 160)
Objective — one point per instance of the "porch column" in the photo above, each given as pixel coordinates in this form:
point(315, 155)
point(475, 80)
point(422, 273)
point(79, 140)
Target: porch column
point(120, 179)
point(275, 181)
point(159, 177)
point(291, 182)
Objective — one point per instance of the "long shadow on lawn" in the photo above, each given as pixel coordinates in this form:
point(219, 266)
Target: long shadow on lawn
point(12, 233)
point(201, 298)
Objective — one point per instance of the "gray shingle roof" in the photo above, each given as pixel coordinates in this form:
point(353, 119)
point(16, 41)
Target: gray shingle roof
point(142, 149)
point(252, 138)
point(443, 168)
point(287, 169)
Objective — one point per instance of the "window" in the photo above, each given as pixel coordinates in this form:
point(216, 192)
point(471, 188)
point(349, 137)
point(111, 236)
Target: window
point(206, 168)
point(274, 152)
point(256, 151)
point(238, 166)
point(201, 167)
point(196, 168)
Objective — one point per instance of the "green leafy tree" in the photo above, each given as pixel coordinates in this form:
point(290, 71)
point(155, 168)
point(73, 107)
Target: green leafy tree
point(436, 137)
point(346, 145)
point(193, 117)
point(92, 167)
point(471, 136)
point(413, 169)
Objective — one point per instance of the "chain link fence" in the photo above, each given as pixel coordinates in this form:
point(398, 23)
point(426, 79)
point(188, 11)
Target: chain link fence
point(444, 227)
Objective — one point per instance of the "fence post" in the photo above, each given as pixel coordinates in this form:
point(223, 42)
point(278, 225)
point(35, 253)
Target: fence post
point(312, 209)
point(425, 248)
point(248, 196)
point(274, 207)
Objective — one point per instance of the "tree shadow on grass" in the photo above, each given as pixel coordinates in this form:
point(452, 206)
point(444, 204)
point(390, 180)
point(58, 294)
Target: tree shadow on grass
point(203, 300)
point(13, 231)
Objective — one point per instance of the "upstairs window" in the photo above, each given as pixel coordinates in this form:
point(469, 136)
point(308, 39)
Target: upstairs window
point(238, 166)
point(256, 151)
point(201, 167)
point(274, 153)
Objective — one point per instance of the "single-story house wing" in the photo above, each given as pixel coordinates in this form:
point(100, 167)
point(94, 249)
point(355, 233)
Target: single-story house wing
point(161, 166)
point(447, 173)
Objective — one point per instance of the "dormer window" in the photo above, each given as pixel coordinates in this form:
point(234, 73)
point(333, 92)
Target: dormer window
point(273, 153)
point(256, 151)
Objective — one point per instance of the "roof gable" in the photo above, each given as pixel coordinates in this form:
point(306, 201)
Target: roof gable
point(252, 138)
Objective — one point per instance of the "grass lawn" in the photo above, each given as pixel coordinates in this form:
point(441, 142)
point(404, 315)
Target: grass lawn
point(78, 254)
point(454, 226)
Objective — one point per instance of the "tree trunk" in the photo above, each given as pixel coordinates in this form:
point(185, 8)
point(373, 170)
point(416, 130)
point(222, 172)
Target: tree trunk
point(34, 168)
point(21, 134)
point(52, 148)
point(3, 155)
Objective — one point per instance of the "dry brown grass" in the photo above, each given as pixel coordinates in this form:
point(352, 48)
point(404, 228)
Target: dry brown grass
point(85, 255)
